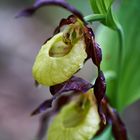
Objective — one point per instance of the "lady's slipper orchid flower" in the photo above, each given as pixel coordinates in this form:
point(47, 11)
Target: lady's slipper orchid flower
point(59, 59)
point(61, 56)
point(78, 120)
point(65, 53)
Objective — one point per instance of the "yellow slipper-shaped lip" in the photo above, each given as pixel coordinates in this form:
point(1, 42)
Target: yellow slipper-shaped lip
point(51, 69)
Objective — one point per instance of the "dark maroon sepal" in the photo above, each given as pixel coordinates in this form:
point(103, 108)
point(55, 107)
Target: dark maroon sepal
point(118, 127)
point(46, 117)
point(100, 87)
point(71, 19)
point(40, 3)
point(42, 107)
point(96, 54)
point(93, 50)
point(73, 84)
point(113, 118)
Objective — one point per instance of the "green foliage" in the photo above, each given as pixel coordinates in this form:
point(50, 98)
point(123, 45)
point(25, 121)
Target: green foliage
point(101, 6)
point(104, 7)
point(123, 89)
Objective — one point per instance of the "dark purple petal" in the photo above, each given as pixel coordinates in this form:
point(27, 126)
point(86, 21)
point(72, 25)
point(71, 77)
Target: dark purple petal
point(102, 109)
point(61, 101)
point(69, 20)
point(99, 91)
point(40, 3)
point(118, 127)
point(45, 119)
point(73, 84)
point(45, 105)
point(102, 115)
point(113, 118)
point(96, 54)
point(44, 123)
point(93, 50)
point(26, 12)
point(100, 87)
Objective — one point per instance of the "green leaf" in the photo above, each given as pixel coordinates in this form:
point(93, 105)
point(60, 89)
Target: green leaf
point(103, 7)
point(125, 89)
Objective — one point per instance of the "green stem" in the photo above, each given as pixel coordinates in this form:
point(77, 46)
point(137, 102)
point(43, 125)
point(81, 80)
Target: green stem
point(121, 44)
point(94, 17)
point(120, 59)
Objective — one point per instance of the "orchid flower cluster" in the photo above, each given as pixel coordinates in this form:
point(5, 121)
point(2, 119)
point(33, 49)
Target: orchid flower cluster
point(81, 109)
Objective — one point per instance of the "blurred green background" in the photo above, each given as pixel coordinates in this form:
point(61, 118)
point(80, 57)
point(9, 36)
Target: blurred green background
point(20, 40)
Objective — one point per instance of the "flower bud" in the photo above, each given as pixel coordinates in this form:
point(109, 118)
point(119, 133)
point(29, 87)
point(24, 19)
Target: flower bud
point(78, 120)
point(61, 57)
